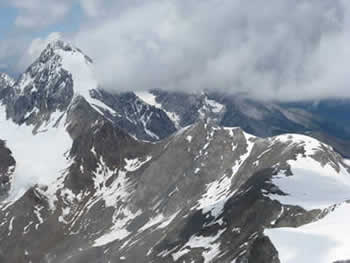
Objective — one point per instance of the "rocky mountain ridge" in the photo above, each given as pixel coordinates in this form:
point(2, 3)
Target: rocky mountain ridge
point(76, 162)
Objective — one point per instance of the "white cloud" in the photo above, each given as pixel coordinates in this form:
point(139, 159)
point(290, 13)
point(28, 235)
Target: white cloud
point(38, 44)
point(35, 47)
point(92, 8)
point(107, 8)
point(37, 13)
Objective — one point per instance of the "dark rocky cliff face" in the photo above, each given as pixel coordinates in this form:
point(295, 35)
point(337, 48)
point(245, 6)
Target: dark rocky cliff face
point(143, 121)
point(7, 167)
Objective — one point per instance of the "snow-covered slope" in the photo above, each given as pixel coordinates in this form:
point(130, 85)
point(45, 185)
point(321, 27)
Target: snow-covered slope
point(323, 241)
point(40, 158)
point(329, 177)
point(33, 115)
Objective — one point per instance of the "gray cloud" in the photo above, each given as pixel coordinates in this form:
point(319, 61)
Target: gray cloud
point(284, 49)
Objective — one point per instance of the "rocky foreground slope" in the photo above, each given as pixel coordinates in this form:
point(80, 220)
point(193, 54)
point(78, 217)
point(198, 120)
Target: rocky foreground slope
point(79, 185)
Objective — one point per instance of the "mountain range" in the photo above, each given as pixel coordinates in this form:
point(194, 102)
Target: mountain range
point(88, 174)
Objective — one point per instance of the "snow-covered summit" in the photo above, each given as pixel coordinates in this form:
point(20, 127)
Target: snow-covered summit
point(53, 60)
point(59, 45)
point(49, 85)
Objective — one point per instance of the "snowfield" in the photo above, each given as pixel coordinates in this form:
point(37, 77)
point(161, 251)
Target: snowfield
point(324, 241)
point(40, 158)
point(312, 185)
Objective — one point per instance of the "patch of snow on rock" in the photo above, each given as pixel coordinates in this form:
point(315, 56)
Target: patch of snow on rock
point(134, 164)
point(210, 244)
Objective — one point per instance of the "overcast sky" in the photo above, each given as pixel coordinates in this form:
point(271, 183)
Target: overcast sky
point(276, 49)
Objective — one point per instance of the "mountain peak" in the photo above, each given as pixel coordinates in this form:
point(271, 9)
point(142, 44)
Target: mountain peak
point(58, 47)
point(60, 44)
point(48, 86)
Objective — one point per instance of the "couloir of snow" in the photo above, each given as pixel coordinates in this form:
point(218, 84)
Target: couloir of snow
point(324, 241)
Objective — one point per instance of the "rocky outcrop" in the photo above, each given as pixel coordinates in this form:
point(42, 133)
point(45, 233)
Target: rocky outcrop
point(7, 167)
